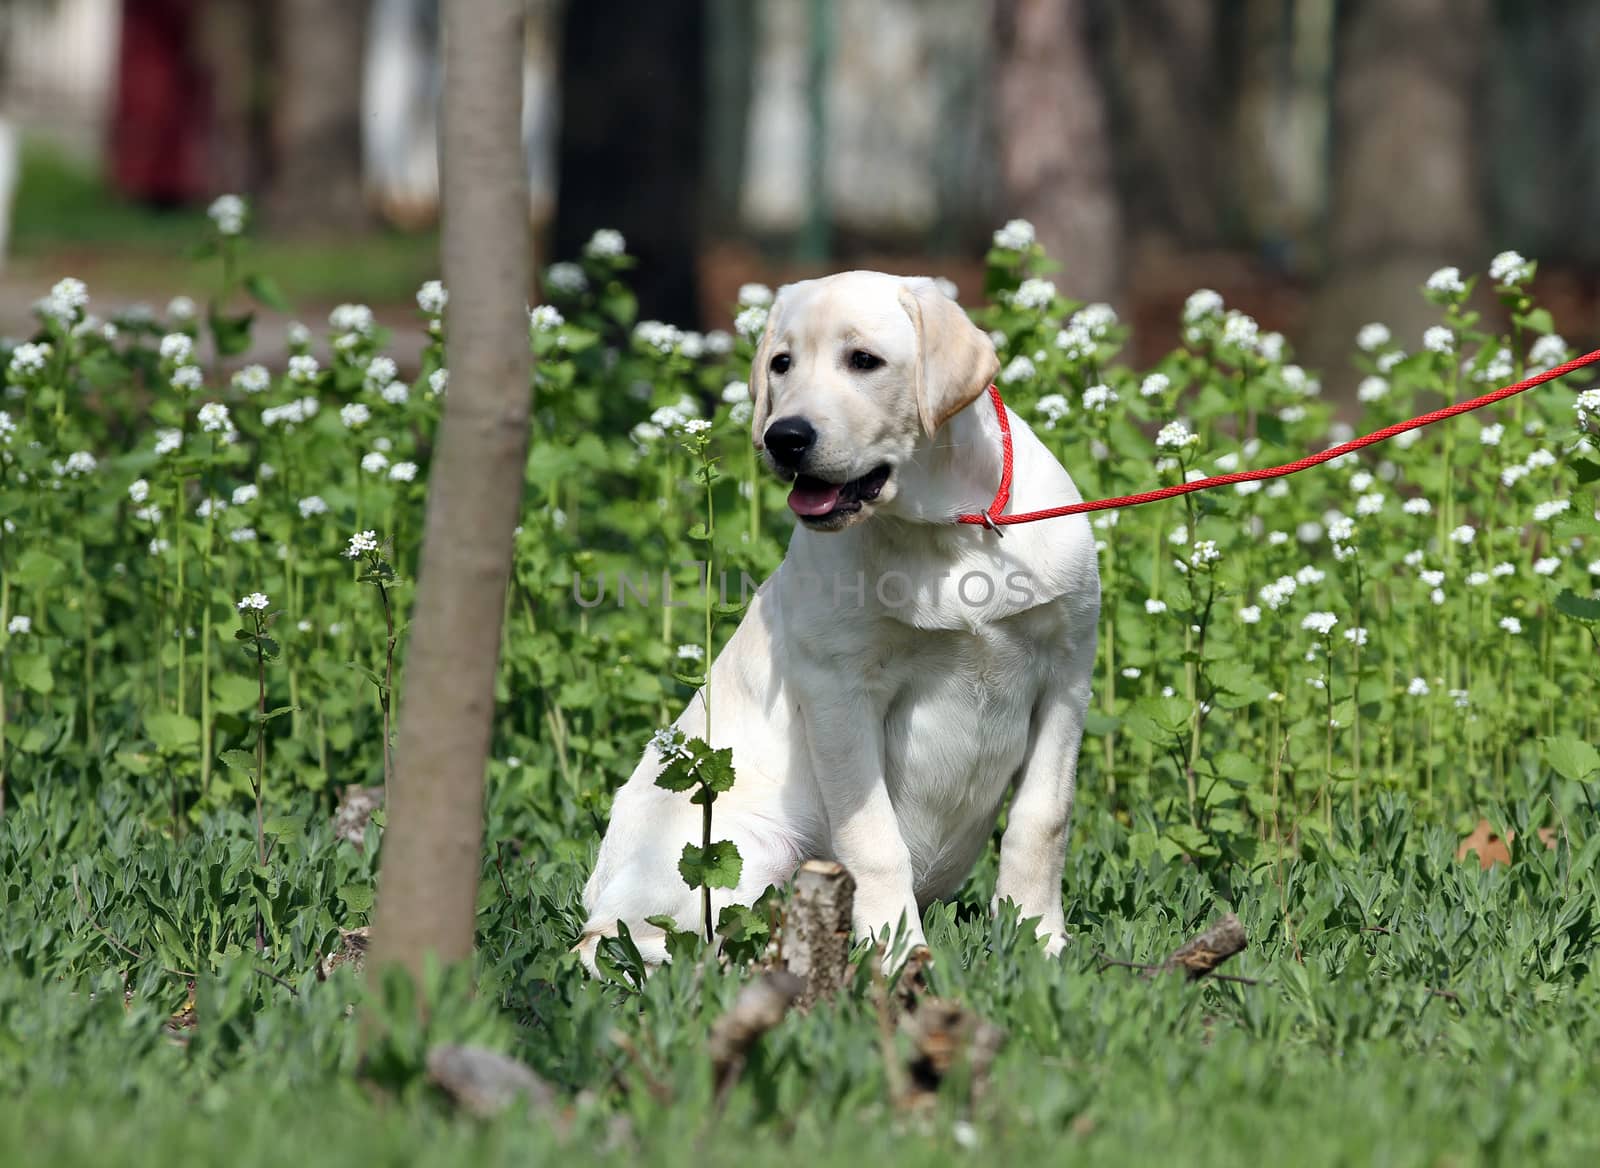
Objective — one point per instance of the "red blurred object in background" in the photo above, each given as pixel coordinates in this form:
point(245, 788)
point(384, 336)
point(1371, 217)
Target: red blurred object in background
point(161, 124)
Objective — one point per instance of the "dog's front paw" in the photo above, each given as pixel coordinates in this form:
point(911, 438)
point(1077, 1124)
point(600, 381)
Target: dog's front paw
point(1054, 943)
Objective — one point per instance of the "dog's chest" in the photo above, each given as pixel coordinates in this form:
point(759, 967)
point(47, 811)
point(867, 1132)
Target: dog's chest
point(956, 709)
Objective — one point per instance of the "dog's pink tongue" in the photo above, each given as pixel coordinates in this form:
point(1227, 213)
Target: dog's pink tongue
point(813, 497)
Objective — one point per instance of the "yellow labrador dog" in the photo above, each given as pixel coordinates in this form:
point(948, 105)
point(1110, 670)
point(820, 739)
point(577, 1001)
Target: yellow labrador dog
point(898, 673)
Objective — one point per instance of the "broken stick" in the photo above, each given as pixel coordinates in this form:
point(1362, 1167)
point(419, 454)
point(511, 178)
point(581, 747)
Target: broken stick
point(1200, 955)
point(816, 935)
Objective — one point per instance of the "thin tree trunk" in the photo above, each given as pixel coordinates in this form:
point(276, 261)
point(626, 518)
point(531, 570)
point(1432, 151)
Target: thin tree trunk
point(316, 183)
point(1055, 152)
point(1407, 196)
point(432, 849)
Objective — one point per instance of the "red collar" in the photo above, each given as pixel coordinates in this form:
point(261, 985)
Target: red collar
point(1002, 495)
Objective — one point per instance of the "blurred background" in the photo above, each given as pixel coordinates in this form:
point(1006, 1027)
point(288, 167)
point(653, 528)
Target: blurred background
point(1312, 160)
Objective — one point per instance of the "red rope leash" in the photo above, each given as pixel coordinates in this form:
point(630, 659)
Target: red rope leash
point(993, 517)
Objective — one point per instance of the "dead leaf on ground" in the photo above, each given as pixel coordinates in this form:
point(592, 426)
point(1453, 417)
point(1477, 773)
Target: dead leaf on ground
point(356, 806)
point(352, 951)
point(1492, 848)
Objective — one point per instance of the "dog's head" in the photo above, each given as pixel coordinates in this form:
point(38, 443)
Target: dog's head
point(852, 373)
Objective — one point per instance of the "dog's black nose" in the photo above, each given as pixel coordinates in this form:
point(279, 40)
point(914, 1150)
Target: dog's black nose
point(790, 440)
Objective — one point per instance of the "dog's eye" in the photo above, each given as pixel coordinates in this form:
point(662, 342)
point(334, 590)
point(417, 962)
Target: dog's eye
point(780, 363)
point(863, 360)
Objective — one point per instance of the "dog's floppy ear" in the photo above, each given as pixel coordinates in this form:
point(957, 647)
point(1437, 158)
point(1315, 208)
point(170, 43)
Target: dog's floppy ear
point(760, 391)
point(956, 361)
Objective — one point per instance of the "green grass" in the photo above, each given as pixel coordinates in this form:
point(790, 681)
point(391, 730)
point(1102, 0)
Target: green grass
point(67, 218)
point(1402, 1006)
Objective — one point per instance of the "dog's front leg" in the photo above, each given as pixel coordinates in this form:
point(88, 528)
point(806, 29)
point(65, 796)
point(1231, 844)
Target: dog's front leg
point(1033, 851)
point(846, 745)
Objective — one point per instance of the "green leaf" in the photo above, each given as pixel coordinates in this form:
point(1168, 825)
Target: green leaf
point(37, 569)
point(1539, 320)
point(1156, 719)
point(32, 670)
point(1583, 608)
point(357, 897)
point(232, 333)
point(1587, 469)
point(1572, 758)
point(718, 866)
point(265, 291)
point(284, 825)
point(234, 693)
point(239, 760)
point(172, 733)
point(279, 712)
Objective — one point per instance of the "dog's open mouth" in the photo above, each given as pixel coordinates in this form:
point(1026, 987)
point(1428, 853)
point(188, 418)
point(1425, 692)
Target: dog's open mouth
point(815, 499)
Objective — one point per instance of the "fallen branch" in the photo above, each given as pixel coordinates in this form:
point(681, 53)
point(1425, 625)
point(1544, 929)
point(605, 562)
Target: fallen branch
point(947, 1037)
point(816, 935)
point(760, 1006)
point(1199, 956)
point(483, 1082)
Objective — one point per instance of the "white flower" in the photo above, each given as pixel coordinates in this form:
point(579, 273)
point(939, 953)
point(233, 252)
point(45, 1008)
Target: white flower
point(741, 413)
point(245, 494)
point(1278, 593)
point(735, 392)
point(1017, 369)
point(139, 490)
point(28, 358)
point(645, 433)
point(252, 379)
point(1372, 337)
point(351, 318)
point(213, 416)
point(303, 367)
point(181, 308)
point(1155, 385)
point(1509, 268)
point(374, 462)
point(1477, 579)
point(1418, 688)
point(396, 393)
point(1356, 636)
point(1205, 552)
point(362, 541)
point(1179, 535)
point(1547, 352)
point(1309, 575)
point(66, 299)
point(157, 546)
point(380, 372)
point(1239, 330)
point(1098, 319)
point(177, 348)
point(1491, 435)
point(1446, 280)
point(1320, 623)
point(243, 535)
point(546, 318)
point(691, 653)
point(696, 426)
point(256, 602)
point(1155, 607)
point(354, 415)
point(227, 212)
point(403, 472)
point(312, 505)
point(439, 381)
point(1270, 346)
point(693, 346)
point(1511, 625)
point(754, 294)
point(432, 297)
point(168, 441)
point(1544, 512)
point(1372, 389)
point(1034, 293)
point(1432, 577)
point(605, 243)
point(208, 507)
point(1370, 503)
point(1460, 698)
point(1540, 459)
point(1016, 235)
point(1437, 596)
point(1510, 474)
point(750, 322)
point(1249, 487)
point(1594, 568)
point(567, 279)
point(1417, 506)
point(1201, 304)
point(20, 625)
point(1464, 534)
point(1547, 566)
point(1098, 397)
point(1503, 569)
point(1076, 342)
point(1341, 528)
point(187, 378)
point(1289, 415)
point(1176, 436)
point(1250, 614)
point(1439, 339)
point(1132, 672)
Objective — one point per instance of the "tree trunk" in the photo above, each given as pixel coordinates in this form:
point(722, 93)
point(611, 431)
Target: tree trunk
point(316, 185)
point(632, 143)
point(1406, 195)
point(1055, 152)
point(432, 848)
